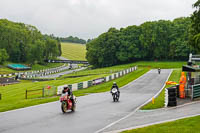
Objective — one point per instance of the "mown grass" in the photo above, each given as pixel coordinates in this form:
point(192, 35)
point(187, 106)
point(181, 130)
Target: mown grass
point(160, 100)
point(161, 64)
point(186, 125)
point(73, 51)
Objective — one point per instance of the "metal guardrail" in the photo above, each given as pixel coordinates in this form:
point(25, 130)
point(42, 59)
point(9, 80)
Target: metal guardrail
point(67, 61)
point(195, 91)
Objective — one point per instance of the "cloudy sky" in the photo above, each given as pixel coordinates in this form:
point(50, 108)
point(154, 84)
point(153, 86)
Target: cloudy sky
point(89, 18)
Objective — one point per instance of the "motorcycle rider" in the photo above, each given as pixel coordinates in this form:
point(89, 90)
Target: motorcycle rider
point(115, 86)
point(159, 70)
point(70, 94)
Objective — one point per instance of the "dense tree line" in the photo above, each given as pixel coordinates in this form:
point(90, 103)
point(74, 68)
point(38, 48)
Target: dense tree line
point(156, 40)
point(195, 27)
point(24, 43)
point(73, 40)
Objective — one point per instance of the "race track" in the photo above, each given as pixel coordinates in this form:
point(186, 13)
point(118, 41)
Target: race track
point(93, 113)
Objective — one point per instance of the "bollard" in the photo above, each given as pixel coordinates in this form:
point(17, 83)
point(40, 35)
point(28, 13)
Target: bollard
point(153, 100)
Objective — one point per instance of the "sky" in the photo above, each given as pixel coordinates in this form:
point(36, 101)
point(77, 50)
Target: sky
point(90, 18)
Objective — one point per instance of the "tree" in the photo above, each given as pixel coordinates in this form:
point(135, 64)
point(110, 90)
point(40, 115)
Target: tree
point(3, 56)
point(195, 28)
point(24, 43)
point(156, 40)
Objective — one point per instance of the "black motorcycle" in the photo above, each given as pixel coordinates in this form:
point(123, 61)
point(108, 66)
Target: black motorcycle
point(159, 70)
point(115, 94)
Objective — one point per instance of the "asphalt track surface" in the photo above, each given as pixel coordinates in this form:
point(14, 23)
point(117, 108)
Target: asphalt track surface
point(94, 112)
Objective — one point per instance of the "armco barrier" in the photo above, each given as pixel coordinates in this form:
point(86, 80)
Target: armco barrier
point(107, 78)
point(112, 76)
point(85, 84)
point(70, 86)
point(75, 87)
point(195, 91)
point(89, 83)
point(80, 85)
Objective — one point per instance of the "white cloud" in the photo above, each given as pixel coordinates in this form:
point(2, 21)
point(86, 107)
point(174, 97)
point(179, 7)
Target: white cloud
point(89, 18)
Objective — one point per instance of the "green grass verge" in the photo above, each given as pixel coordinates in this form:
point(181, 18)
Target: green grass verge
point(73, 51)
point(159, 101)
point(186, 125)
point(161, 64)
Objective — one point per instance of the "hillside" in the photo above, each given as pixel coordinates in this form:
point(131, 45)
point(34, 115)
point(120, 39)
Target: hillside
point(73, 51)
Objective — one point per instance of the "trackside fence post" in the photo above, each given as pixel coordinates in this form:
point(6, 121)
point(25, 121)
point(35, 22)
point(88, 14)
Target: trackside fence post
point(26, 94)
point(42, 92)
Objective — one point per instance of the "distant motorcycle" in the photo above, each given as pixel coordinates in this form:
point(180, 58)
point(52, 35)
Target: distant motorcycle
point(66, 103)
point(115, 94)
point(159, 70)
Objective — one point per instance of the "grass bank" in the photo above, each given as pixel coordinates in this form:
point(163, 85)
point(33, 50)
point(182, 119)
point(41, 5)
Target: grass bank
point(73, 51)
point(187, 125)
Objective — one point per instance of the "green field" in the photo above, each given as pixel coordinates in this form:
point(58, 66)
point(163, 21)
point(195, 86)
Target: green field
point(187, 125)
point(73, 51)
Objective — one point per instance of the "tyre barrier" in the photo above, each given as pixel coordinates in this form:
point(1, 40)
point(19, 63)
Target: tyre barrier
point(170, 96)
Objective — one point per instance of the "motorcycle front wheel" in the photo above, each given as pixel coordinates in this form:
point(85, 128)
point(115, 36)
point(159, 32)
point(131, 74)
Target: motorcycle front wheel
point(114, 97)
point(74, 107)
point(64, 107)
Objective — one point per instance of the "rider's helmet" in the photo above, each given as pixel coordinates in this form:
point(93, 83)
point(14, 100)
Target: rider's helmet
point(114, 83)
point(66, 89)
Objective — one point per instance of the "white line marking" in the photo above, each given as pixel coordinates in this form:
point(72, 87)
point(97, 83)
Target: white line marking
point(131, 113)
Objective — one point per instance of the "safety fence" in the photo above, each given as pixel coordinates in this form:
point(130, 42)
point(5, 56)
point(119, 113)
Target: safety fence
point(171, 96)
point(32, 74)
point(86, 84)
point(195, 91)
point(47, 91)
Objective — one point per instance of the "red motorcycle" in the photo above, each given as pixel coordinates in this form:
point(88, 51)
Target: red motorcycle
point(66, 103)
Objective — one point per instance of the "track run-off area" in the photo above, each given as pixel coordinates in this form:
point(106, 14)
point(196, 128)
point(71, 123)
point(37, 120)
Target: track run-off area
point(94, 112)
